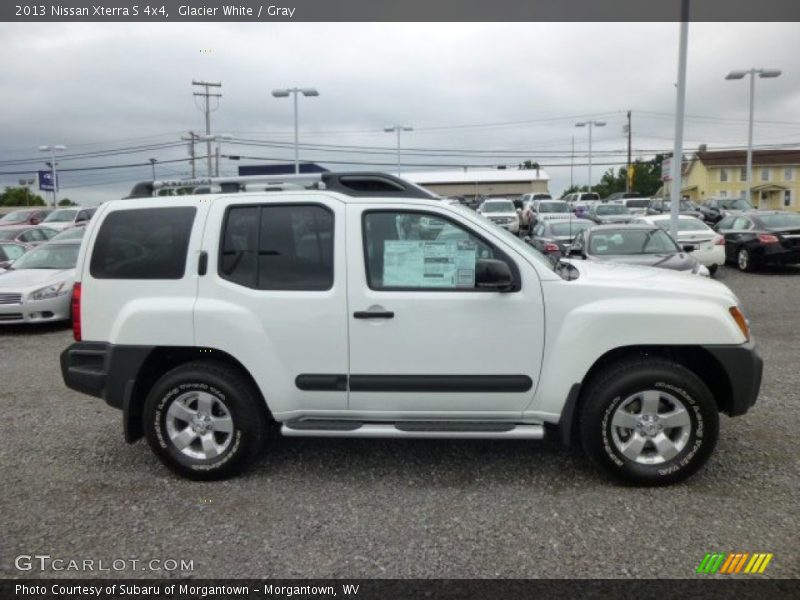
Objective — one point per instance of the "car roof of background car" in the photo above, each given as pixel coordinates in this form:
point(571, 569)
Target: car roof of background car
point(625, 226)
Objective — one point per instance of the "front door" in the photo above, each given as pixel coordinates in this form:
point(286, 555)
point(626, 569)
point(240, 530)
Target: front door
point(425, 342)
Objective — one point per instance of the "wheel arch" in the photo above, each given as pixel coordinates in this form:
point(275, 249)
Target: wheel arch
point(161, 360)
point(695, 358)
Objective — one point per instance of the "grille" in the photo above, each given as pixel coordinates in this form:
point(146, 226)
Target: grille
point(10, 298)
point(11, 317)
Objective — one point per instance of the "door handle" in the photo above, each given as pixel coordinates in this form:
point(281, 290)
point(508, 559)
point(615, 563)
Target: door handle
point(373, 314)
point(202, 263)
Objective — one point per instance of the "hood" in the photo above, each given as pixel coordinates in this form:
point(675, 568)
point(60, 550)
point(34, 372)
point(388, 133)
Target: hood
point(31, 279)
point(679, 261)
point(614, 218)
point(549, 216)
point(500, 215)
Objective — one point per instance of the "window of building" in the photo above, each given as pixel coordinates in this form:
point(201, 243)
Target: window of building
point(788, 174)
point(147, 243)
point(278, 247)
point(743, 174)
point(723, 194)
point(787, 197)
point(764, 174)
point(723, 175)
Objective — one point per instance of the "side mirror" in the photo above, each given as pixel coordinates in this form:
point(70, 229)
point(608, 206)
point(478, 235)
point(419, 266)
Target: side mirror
point(492, 274)
point(688, 247)
point(527, 239)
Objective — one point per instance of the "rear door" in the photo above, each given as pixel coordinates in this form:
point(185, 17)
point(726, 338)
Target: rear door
point(424, 341)
point(274, 296)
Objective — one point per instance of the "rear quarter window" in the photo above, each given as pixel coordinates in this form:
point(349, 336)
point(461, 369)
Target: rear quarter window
point(146, 243)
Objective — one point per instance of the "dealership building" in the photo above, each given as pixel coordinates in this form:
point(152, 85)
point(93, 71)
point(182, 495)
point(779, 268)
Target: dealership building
point(471, 183)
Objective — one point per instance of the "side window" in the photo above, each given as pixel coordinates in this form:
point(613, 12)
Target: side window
point(278, 247)
point(741, 224)
point(407, 250)
point(32, 235)
point(145, 243)
point(48, 233)
point(82, 216)
point(725, 223)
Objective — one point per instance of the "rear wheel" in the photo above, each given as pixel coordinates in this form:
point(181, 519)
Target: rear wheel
point(204, 420)
point(744, 260)
point(649, 421)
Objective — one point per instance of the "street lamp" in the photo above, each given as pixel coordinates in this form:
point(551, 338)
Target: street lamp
point(766, 74)
point(284, 93)
point(153, 162)
point(590, 124)
point(398, 129)
point(26, 183)
point(52, 150)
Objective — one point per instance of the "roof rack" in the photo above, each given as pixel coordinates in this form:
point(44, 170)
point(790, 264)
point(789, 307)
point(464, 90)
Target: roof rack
point(358, 183)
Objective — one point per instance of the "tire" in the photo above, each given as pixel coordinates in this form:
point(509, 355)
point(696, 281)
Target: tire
point(712, 270)
point(648, 452)
point(744, 260)
point(204, 420)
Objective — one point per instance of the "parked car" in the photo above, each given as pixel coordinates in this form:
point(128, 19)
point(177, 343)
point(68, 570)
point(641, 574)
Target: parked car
point(544, 210)
point(587, 198)
point(37, 287)
point(714, 210)
point(27, 234)
point(757, 238)
point(636, 206)
point(242, 315)
point(645, 245)
point(501, 211)
point(661, 206)
point(72, 233)
point(621, 196)
point(62, 218)
point(709, 246)
point(552, 237)
point(610, 212)
point(24, 216)
point(11, 251)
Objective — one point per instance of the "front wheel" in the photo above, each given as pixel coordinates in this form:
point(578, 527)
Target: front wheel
point(204, 420)
point(649, 421)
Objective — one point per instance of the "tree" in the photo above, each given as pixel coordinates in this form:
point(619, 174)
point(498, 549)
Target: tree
point(529, 164)
point(67, 202)
point(20, 196)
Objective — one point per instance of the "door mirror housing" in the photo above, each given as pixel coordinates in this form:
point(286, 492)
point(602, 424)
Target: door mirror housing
point(688, 247)
point(575, 253)
point(492, 274)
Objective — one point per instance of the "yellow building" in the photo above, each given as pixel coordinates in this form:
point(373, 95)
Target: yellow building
point(722, 174)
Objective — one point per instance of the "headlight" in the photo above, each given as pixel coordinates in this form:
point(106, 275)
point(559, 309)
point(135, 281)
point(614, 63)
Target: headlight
point(51, 291)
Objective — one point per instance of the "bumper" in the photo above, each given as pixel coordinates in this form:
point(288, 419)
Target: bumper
point(710, 257)
point(743, 367)
point(777, 254)
point(103, 370)
point(36, 311)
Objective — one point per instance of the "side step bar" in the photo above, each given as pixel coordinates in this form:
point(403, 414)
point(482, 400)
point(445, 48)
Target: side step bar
point(413, 430)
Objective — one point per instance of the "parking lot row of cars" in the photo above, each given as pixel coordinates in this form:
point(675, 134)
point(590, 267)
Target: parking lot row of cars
point(38, 254)
point(635, 230)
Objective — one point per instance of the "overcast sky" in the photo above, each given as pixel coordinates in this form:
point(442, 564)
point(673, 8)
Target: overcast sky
point(463, 87)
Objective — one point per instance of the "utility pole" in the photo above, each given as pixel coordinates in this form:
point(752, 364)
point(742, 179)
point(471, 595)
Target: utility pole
point(207, 95)
point(191, 139)
point(628, 171)
point(571, 162)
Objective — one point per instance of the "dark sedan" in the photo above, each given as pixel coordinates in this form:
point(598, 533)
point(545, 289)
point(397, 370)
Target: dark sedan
point(24, 216)
point(552, 238)
point(660, 206)
point(646, 245)
point(761, 237)
point(714, 210)
point(609, 213)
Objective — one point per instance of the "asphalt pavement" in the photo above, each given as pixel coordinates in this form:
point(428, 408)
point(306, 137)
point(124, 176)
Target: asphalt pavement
point(74, 490)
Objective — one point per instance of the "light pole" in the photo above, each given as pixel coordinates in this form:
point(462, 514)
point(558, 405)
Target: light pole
point(284, 93)
point(590, 124)
point(26, 183)
point(153, 162)
point(398, 129)
point(218, 139)
point(763, 73)
point(52, 150)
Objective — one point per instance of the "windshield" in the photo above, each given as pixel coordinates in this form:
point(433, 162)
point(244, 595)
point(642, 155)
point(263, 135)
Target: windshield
point(571, 228)
point(588, 196)
point(542, 197)
point(643, 203)
point(73, 233)
point(9, 234)
point(736, 204)
point(61, 216)
point(781, 221)
point(612, 209)
point(498, 206)
point(553, 207)
point(631, 241)
point(684, 225)
point(17, 215)
point(49, 256)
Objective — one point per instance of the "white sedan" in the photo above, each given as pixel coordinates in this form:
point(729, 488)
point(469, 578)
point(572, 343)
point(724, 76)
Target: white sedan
point(709, 246)
point(37, 287)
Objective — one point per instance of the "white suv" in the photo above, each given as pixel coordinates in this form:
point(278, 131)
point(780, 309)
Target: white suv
point(216, 321)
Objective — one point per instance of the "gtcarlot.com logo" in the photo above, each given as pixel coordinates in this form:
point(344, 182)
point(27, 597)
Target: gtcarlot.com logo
point(45, 562)
point(732, 563)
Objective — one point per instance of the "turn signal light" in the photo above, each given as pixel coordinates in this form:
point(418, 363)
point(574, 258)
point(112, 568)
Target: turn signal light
point(766, 238)
point(741, 321)
point(720, 241)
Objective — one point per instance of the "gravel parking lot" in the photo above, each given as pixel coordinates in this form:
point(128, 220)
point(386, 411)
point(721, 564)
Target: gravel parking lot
point(350, 508)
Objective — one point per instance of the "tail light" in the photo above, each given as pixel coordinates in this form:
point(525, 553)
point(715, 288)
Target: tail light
point(766, 238)
point(76, 311)
point(551, 247)
point(719, 241)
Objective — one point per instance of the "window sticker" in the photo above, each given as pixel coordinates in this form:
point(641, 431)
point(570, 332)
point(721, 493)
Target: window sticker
point(428, 264)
